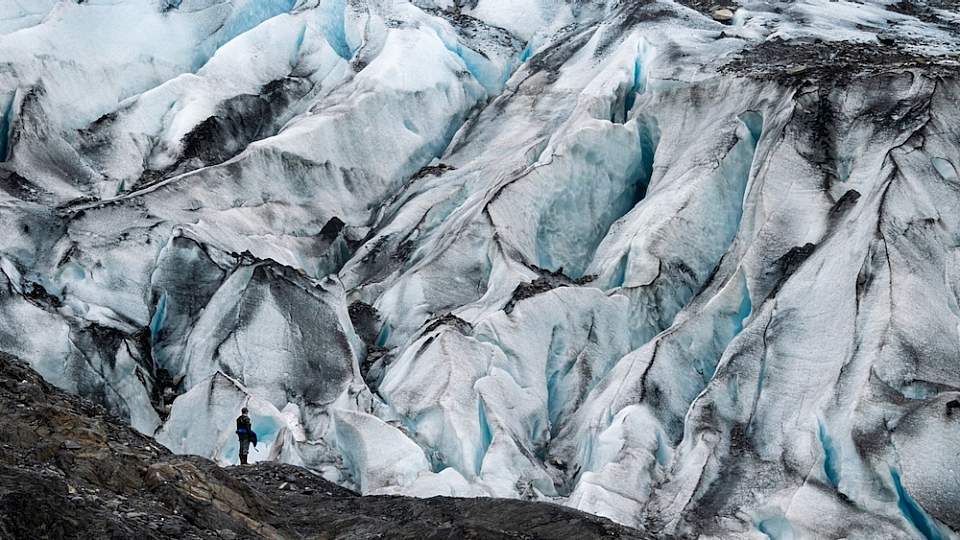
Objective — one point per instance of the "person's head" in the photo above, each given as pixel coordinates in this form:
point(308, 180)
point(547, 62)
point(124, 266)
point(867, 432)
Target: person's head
point(244, 410)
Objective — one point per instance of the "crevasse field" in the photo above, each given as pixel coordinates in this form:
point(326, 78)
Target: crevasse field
point(701, 278)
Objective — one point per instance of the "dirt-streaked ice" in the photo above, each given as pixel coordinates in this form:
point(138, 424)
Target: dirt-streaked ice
point(694, 277)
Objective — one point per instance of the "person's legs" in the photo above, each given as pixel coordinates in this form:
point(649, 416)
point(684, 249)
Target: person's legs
point(244, 449)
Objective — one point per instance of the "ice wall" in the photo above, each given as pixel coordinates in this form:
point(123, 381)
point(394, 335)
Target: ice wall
point(698, 278)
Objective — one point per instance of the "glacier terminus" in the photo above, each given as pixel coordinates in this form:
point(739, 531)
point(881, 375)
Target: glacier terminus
point(690, 266)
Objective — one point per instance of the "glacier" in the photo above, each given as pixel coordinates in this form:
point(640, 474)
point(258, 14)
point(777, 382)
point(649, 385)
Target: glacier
point(701, 277)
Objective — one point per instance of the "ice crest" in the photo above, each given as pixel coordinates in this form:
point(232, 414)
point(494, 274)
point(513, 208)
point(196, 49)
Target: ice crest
point(694, 273)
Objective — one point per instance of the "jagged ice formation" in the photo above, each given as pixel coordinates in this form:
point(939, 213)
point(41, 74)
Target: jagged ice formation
point(699, 278)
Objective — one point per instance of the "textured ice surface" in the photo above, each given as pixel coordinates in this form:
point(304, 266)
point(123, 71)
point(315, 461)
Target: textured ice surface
point(698, 278)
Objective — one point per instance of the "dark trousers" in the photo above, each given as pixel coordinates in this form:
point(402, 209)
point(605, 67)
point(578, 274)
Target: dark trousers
point(244, 450)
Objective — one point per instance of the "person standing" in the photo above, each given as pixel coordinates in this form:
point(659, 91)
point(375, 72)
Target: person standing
point(245, 434)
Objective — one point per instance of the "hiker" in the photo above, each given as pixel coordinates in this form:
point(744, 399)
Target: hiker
point(246, 434)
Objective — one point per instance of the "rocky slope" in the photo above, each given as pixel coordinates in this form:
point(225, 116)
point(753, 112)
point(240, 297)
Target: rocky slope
point(68, 469)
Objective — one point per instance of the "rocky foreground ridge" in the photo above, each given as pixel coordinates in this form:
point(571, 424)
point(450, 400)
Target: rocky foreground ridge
point(68, 469)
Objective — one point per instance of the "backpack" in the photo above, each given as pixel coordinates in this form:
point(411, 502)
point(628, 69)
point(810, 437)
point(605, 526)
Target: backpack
point(244, 430)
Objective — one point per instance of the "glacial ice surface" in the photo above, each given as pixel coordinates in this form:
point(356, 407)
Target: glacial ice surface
point(698, 278)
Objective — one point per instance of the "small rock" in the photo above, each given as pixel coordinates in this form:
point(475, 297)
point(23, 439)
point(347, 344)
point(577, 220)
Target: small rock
point(952, 405)
point(71, 445)
point(723, 15)
point(173, 527)
point(133, 515)
point(227, 534)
